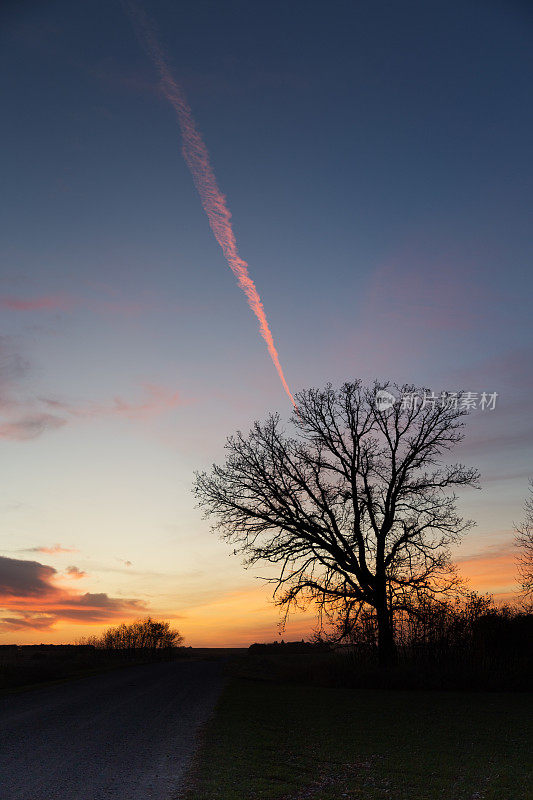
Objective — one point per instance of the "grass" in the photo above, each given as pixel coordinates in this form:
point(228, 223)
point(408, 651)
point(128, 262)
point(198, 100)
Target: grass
point(274, 741)
point(30, 667)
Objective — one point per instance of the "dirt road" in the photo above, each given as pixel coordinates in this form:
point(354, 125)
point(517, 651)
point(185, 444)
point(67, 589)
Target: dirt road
point(123, 735)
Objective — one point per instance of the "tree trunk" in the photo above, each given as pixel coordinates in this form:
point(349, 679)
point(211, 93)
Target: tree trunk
point(386, 645)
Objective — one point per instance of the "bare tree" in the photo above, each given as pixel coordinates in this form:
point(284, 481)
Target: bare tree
point(354, 507)
point(524, 541)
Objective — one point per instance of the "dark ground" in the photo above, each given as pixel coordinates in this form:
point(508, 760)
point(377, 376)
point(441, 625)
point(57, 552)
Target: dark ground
point(122, 735)
point(277, 741)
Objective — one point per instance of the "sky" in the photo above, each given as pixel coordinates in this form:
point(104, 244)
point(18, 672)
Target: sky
point(376, 160)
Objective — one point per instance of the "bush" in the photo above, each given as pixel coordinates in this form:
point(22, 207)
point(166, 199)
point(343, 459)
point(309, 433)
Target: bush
point(144, 637)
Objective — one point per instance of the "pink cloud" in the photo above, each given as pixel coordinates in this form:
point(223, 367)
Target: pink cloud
point(109, 303)
point(44, 303)
point(25, 417)
point(33, 423)
point(53, 550)
point(30, 426)
point(158, 400)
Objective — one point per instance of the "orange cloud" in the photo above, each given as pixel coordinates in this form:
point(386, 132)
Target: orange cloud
point(75, 572)
point(30, 599)
point(53, 550)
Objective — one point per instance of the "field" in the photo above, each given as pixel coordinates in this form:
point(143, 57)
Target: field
point(279, 741)
point(23, 667)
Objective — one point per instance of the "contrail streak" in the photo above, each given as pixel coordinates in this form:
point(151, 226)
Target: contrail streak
point(197, 159)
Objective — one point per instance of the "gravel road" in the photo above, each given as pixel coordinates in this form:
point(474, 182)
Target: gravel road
point(123, 735)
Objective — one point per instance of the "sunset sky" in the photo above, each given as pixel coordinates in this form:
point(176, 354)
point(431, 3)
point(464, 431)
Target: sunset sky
point(376, 159)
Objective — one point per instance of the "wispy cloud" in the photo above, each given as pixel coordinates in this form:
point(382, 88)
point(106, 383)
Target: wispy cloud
point(30, 426)
point(43, 303)
point(106, 301)
point(51, 550)
point(27, 417)
point(13, 369)
point(157, 400)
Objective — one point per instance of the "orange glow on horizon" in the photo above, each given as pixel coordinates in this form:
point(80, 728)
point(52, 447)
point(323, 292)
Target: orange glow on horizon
point(493, 572)
point(236, 618)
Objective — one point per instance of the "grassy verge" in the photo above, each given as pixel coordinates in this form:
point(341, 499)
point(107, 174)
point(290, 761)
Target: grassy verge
point(274, 741)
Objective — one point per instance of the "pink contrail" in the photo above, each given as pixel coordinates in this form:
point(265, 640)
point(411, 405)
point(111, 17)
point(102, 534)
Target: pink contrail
point(213, 201)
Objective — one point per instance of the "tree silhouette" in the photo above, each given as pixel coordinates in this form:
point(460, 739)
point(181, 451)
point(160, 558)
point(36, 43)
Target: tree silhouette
point(142, 636)
point(524, 540)
point(355, 507)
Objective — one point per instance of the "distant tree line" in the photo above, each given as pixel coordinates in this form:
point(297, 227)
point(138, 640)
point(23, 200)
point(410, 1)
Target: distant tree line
point(290, 647)
point(471, 644)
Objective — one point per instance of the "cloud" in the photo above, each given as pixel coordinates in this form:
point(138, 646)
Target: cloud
point(23, 418)
point(55, 548)
point(75, 572)
point(43, 303)
point(36, 622)
point(30, 599)
point(12, 365)
point(158, 399)
point(107, 301)
point(13, 369)
point(25, 578)
point(30, 426)
point(27, 417)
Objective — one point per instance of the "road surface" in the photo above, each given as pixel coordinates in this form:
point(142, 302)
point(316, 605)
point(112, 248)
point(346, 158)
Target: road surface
point(122, 735)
